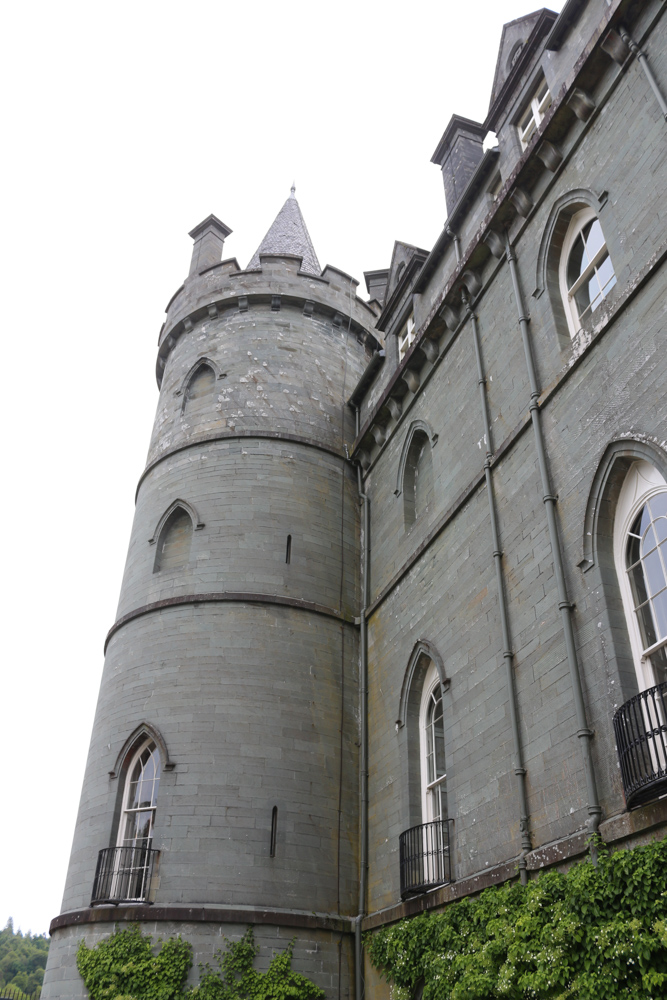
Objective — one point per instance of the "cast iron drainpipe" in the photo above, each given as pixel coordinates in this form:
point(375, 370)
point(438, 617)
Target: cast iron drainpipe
point(508, 654)
point(363, 737)
point(648, 72)
point(583, 732)
point(457, 242)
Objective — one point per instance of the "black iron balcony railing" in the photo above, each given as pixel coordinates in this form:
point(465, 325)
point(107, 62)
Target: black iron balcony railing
point(425, 857)
point(123, 875)
point(640, 726)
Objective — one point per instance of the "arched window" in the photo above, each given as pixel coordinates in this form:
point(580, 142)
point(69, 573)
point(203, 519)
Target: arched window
point(140, 797)
point(201, 385)
point(586, 273)
point(173, 546)
point(417, 478)
point(432, 746)
point(640, 553)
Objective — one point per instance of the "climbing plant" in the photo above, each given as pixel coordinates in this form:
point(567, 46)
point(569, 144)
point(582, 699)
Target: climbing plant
point(237, 980)
point(123, 967)
point(593, 933)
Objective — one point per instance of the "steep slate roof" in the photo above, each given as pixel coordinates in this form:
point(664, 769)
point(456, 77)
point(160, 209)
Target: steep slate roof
point(288, 235)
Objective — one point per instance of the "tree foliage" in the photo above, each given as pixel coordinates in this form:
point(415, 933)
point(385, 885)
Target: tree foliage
point(592, 933)
point(123, 967)
point(22, 959)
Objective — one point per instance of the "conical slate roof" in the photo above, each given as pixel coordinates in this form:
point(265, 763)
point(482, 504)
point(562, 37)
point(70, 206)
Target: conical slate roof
point(288, 235)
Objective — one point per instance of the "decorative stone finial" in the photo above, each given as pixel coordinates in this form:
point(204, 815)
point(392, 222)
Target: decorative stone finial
point(292, 189)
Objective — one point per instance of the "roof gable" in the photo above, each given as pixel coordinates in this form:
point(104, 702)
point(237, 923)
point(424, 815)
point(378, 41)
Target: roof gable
point(400, 258)
point(514, 36)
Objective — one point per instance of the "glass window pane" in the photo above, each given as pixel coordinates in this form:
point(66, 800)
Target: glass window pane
point(658, 505)
point(659, 664)
point(594, 292)
point(648, 542)
point(606, 275)
point(594, 238)
point(638, 585)
point(576, 264)
point(660, 528)
point(654, 573)
point(132, 798)
point(660, 612)
point(439, 750)
point(643, 521)
point(646, 626)
point(583, 298)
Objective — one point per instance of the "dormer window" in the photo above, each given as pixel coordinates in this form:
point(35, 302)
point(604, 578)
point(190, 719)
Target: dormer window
point(534, 113)
point(406, 336)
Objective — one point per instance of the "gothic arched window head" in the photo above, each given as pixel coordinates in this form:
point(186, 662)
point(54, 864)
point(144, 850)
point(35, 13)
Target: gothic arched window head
point(586, 273)
point(417, 478)
point(174, 541)
point(200, 385)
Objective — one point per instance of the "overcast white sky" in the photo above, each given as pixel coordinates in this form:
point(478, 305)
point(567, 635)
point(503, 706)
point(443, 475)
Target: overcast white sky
point(126, 124)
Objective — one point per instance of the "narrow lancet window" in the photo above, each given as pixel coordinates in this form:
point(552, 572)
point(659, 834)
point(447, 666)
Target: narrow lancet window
point(201, 385)
point(418, 478)
point(173, 547)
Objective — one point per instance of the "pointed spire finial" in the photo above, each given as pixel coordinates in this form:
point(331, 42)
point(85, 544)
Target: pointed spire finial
point(289, 236)
point(292, 189)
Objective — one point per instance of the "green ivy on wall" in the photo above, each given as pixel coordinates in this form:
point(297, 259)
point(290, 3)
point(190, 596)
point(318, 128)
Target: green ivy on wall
point(594, 933)
point(123, 967)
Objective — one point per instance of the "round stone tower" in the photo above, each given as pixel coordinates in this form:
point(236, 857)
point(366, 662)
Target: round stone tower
point(221, 785)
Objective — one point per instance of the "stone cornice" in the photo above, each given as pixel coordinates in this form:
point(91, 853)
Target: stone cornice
point(227, 597)
point(300, 919)
point(258, 435)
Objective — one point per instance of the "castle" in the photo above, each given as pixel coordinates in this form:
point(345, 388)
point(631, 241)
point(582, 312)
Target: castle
point(393, 625)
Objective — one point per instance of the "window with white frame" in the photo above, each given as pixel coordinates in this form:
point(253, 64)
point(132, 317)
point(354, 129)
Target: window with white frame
point(432, 743)
point(140, 797)
point(640, 552)
point(586, 273)
point(534, 113)
point(406, 336)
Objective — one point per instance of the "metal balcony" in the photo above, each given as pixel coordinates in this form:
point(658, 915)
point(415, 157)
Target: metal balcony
point(640, 726)
point(123, 875)
point(425, 857)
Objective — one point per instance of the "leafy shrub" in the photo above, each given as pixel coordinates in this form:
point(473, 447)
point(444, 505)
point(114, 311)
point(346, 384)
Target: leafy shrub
point(594, 933)
point(123, 967)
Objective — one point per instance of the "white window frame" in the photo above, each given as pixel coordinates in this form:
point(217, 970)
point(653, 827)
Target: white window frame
point(642, 482)
point(534, 113)
point(406, 336)
point(125, 812)
point(577, 223)
point(431, 803)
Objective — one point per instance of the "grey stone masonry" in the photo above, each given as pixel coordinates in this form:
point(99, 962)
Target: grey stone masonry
point(244, 657)
point(488, 462)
